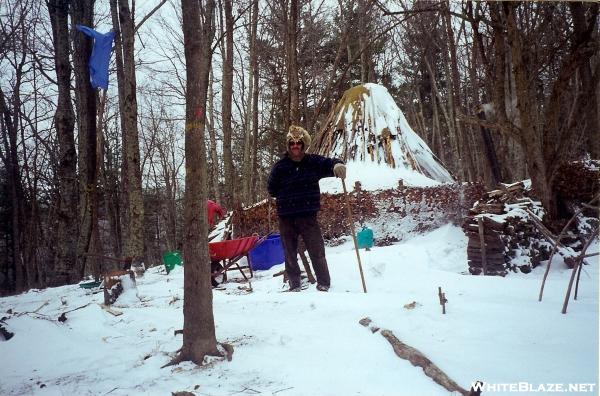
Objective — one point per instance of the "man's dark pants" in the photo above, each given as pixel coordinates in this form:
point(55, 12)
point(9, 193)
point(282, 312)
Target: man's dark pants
point(306, 226)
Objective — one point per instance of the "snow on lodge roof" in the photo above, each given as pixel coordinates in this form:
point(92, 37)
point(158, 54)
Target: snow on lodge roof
point(368, 130)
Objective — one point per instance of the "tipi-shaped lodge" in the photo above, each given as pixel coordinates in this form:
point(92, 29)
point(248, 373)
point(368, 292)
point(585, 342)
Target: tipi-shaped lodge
point(367, 125)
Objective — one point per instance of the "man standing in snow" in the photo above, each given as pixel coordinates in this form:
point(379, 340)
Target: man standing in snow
point(294, 182)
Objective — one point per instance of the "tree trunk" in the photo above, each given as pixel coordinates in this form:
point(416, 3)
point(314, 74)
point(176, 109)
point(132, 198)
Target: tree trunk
point(435, 95)
point(526, 107)
point(82, 13)
point(363, 38)
point(590, 122)
point(124, 45)
point(15, 188)
point(64, 119)
point(292, 63)
point(198, 324)
point(252, 110)
point(227, 95)
point(112, 202)
point(255, 72)
point(454, 102)
point(210, 124)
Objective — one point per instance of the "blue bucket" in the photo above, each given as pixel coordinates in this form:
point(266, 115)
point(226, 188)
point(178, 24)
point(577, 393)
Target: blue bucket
point(267, 254)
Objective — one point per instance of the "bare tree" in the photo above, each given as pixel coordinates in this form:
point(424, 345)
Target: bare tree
point(293, 15)
point(123, 23)
point(199, 337)
point(251, 119)
point(82, 13)
point(546, 144)
point(65, 270)
point(227, 96)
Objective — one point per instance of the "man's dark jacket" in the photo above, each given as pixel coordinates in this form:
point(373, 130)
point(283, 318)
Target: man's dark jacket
point(296, 184)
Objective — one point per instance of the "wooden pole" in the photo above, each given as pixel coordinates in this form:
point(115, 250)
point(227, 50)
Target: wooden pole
point(482, 242)
point(362, 276)
point(578, 262)
point(557, 245)
point(269, 201)
point(554, 249)
point(577, 281)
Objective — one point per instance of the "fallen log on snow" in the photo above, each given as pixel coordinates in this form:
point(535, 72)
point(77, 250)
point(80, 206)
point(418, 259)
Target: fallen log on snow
point(417, 359)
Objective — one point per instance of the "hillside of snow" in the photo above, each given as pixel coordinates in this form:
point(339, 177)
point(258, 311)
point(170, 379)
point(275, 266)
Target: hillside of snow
point(310, 343)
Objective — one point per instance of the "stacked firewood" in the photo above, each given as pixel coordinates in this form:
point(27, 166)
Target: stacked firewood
point(490, 261)
point(428, 206)
point(578, 180)
point(504, 224)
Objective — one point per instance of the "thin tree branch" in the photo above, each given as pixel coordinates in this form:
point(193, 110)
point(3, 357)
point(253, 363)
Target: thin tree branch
point(149, 15)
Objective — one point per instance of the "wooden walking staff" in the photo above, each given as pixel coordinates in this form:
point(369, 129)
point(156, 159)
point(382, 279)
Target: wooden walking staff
point(362, 276)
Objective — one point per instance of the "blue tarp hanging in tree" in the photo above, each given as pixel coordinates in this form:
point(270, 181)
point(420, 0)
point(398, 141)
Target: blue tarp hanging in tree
point(100, 58)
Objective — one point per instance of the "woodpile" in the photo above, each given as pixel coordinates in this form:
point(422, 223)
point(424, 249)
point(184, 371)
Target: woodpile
point(503, 234)
point(426, 207)
point(578, 180)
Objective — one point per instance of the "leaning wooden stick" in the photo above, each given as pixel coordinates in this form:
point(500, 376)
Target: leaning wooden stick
point(362, 276)
point(557, 245)
point(578, 263)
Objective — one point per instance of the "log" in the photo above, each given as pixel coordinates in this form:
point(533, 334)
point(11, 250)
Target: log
point(474, 263)
point(491, 266)
point(112, 285)
point(487, 207)
point(489, 260)
point(474, 236)
point(542, 228)
point(479, 258)
point(488, 248)
point(110, 310)
point(488, 245)
point(494, 263)
point(493, 224)
point(417, 359)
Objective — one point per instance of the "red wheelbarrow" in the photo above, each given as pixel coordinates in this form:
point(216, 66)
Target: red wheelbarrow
point(225, 255)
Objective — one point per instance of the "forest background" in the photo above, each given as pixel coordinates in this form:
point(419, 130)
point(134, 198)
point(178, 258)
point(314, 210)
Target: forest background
point(499, 91)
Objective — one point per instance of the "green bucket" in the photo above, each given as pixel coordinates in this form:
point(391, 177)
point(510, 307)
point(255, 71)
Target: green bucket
point(171, 259)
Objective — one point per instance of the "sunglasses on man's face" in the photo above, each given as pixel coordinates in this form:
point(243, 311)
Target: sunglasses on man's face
point(290, 144)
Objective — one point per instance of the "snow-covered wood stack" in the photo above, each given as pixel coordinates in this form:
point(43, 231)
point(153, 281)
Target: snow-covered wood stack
point(508, 222)
point(392, 213)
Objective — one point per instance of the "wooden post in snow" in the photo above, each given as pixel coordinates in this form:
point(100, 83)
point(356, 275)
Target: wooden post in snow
point(443, 301)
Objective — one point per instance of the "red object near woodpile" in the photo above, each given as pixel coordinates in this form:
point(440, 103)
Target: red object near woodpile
point(231, 248)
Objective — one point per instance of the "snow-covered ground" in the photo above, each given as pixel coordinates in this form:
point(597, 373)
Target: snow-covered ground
point(373, 176)
point(310, 343)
